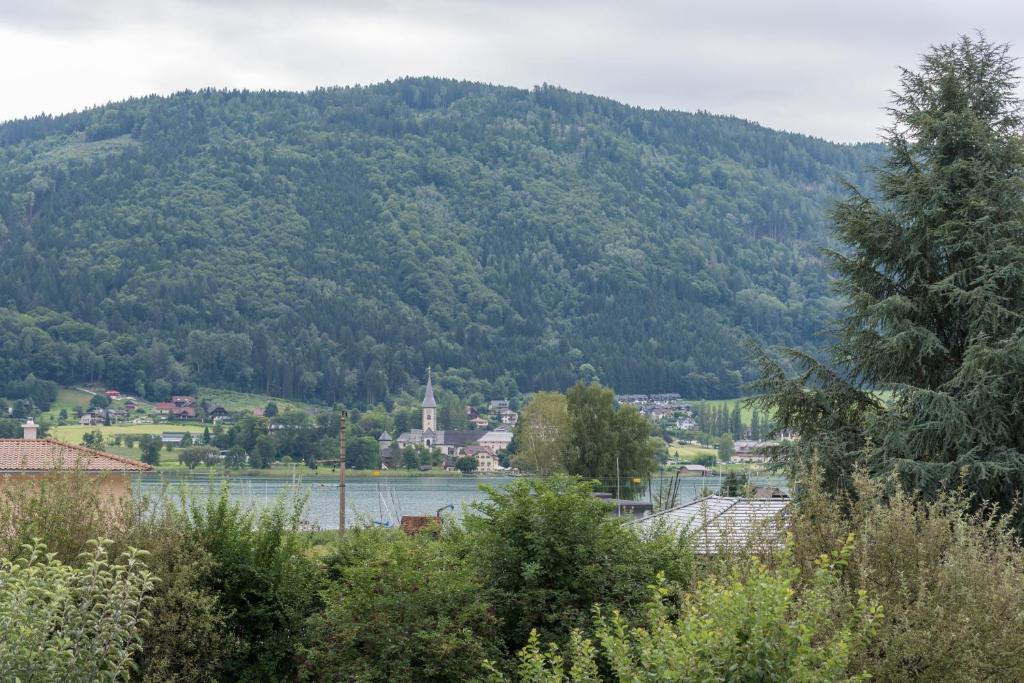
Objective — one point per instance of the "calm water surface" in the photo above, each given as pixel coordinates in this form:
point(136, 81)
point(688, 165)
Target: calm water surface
point(368, 499)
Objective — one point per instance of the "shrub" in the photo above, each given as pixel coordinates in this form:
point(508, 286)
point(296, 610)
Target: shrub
point(951, 581)
point(64, 508)
point(549, 550)
point(400, 608)
point(60, 623)
point(753, 627)
point(189, 638)
point(262, 576)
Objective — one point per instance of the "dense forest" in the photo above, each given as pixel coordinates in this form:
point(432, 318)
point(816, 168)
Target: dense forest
point(329, 245)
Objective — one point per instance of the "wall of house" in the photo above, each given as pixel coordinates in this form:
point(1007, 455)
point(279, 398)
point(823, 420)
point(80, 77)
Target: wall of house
point(113, 486)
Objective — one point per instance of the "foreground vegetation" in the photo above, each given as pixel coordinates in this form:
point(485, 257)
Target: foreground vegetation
point(539, 583)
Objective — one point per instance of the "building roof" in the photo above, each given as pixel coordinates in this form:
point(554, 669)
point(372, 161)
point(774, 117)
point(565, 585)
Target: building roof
point(497, 435)
point(385, 436)
point(428, 397)
point(452, 437)
point(444, 437)
point(689, 467)
point(719, 523)
point(39, 455)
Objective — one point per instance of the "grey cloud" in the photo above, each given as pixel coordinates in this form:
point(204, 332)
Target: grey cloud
point(814, 66)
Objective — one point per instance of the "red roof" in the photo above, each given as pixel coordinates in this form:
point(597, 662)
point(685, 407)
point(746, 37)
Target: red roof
point(163, 405)
point(17, 455)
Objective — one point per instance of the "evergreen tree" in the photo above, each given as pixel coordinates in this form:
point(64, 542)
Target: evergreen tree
point(736, 420)
point(934, 274)
point(150, 446)
point(726, 447)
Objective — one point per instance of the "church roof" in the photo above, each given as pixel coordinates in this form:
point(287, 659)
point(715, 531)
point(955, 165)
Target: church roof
point(428, 397)
point(451, 437)
point(384, 437)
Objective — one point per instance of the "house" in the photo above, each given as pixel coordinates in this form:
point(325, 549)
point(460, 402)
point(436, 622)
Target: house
point(686, 423)
point(173, 438)
point(23, 461)
point(717, 524)
point(479, 423)
point(662, 412)
point(183, 413)
point(769, 492)
point(508, 416)
point(486, 460)
point(752, 451)
point(495, 405)
point(217, 412)
point(130, 405)
point(496, 440)
point(183, 401)
point(86, 420)
point(112, 394)
point(694, 471)
point(163, 407)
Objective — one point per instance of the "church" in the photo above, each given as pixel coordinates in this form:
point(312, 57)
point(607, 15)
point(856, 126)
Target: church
point(449, 442)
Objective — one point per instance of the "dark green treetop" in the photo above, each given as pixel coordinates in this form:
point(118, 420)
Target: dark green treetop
point(933, 272)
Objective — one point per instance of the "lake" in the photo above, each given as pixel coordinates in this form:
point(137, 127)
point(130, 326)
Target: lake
point(368, 499)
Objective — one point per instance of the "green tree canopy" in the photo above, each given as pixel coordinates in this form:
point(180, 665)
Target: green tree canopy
point(606, 443)
point(934, 274)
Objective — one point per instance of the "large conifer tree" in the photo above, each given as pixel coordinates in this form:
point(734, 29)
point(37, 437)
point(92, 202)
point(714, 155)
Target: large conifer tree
point(933, 270)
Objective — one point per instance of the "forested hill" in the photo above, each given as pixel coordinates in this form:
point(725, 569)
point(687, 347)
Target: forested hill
point(329, 245)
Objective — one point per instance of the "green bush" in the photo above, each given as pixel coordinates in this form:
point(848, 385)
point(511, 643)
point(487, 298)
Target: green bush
point(547, 551)
point(951, 581)
point(189, 639)
point(263, 577)
point(753, 627)
point(62, 623)
point(400, 608)
point(64, 509)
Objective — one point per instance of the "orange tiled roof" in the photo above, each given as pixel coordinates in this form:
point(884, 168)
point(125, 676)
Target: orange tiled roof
point(17, 455)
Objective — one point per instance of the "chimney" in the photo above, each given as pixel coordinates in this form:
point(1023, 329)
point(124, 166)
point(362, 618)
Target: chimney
point(30, 428)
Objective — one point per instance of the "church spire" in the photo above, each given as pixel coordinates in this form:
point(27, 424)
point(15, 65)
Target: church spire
point(429, 421)
point(428, 397)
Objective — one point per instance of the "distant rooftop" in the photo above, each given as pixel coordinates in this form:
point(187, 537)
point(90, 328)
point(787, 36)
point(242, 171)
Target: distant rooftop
point(721, 523)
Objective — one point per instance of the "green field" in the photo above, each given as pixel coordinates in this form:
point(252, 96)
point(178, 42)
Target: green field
point(68, 400)
point(746, 411)
point(73, 434)
point(236, 400)
point(685, 451)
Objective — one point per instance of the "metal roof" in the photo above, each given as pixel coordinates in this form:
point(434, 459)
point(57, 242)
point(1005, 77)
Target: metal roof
point(719, 523)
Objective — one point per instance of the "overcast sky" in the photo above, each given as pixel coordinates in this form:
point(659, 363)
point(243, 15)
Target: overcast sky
point(821, 67)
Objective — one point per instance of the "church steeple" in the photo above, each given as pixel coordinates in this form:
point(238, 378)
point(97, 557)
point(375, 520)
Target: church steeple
point(429, 406)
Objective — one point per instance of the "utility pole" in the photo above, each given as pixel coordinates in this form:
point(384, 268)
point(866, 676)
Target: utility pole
point(618, 490)
point(341, 474)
